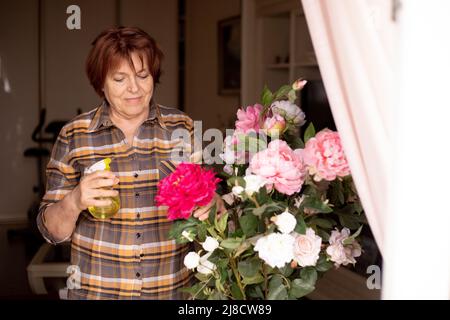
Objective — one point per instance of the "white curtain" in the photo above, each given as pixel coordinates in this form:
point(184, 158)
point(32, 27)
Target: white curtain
point(389, 106)
point(354, 56)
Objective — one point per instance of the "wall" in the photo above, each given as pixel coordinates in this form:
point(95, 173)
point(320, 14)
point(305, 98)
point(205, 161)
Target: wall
point(159, 19)
point(65, 86)
point(201, 99)
point(18, 108)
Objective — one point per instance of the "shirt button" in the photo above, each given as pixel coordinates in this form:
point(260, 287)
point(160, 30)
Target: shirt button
point(137, 194)
point(136, 175)
point(138, 275)
point(138, 235)
point(141, 255)
point(138, 215)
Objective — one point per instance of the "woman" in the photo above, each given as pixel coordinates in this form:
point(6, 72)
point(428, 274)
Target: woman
point(128, 256)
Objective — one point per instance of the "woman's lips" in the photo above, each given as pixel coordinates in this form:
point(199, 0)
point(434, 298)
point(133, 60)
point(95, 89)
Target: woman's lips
point(133, 100)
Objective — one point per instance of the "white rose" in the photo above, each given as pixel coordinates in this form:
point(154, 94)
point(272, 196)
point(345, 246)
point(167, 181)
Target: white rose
point(191, 260)
point(228, 156)
point(285, 222)
point(206, 266)
point(253, 183)
point(276, 249)
point(188, 235)
point(307, 248)
point(340, 253)
point(237, 190)
point(210, 244)
point(290, 111)
point(228, 169)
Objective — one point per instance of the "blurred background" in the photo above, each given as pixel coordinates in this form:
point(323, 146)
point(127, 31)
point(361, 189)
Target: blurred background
point(218, 56)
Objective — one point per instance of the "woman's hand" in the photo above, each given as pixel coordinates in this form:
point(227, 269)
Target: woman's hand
point(93, 186)
point(202, 213)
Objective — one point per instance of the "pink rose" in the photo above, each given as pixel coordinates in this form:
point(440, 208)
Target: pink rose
point(275, 125)
point(248, 119)
point(325, 156)
point(340, 253)
point(281, 166)
point(307, 248)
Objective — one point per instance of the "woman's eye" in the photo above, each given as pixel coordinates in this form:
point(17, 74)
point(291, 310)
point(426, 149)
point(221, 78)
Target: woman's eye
point(143, 76)
point(119, 80)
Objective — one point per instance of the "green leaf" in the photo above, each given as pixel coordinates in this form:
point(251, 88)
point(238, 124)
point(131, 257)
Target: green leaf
point(323, 264)
point(217, 295)
point(250, 267)
point(300, 227)
point(231, 243)
point(248, 223)
point(267, 208)
point(309, 275)
point(233, 181)
point(261, 196)
point(300, 288)
point(179, 226)
point(201, 232)
point(201, 277)
point(316, 204)
point(350, 239)
point(349, 221)
point(213, 232)
point(286, 270)
point(323, 234)
point(282, 92)
point(236, 292)
point(310, 132)
point(277, 291)
point(266, 97)
point(323, 223)
point(212, 214)
point(242, 248)
point(257, 278)
point(195, 290)
point(292, 96)
point(256, 292)
point(221, 225)
point(294, 142)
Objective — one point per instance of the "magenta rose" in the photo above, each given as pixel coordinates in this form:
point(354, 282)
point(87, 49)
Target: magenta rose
point(186, 188)
point(325, 156)
point(281, 166)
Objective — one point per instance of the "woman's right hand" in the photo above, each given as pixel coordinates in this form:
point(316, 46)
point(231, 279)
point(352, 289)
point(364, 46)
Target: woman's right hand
point(94, 186)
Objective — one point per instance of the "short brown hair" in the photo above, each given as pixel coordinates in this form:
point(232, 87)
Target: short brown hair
point(115, 44)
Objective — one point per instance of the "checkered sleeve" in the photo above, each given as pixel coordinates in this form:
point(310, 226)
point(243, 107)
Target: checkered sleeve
point(61, 179)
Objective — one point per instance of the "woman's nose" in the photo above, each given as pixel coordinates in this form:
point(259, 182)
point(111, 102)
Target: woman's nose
point(133, 86)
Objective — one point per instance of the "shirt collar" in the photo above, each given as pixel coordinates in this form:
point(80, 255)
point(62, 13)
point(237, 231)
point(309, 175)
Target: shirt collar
point(102, 118)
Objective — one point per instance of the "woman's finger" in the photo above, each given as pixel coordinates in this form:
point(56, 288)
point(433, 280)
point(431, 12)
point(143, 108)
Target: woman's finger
point(102, 183)
point(99, 203)
point(99, 193)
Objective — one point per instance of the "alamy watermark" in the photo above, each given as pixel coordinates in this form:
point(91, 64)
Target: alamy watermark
point(373, 281)
point(73, 21)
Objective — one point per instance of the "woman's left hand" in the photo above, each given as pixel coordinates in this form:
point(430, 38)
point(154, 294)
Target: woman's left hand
point(202, 213)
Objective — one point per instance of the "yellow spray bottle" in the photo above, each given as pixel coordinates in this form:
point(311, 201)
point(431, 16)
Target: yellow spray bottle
point(106, 211)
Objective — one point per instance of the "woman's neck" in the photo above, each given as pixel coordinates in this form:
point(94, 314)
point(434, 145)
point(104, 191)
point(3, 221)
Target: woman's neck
point(123, 121)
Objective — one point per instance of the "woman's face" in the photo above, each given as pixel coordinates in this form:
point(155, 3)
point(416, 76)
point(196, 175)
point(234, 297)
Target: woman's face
point(127, 92)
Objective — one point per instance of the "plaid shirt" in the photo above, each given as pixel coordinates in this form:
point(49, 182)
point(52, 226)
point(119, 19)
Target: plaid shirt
point(128, 256)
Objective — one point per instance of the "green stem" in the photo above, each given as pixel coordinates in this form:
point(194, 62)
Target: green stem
point(265, 282)
point(237, 276)
point(195, 295)
point(255, 201)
